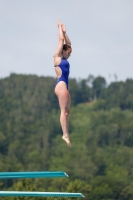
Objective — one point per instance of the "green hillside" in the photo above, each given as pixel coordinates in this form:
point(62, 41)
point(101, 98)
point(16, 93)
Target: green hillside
point(100, 161)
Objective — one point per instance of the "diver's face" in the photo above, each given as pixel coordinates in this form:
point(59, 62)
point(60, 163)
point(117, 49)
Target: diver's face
point(67, 53)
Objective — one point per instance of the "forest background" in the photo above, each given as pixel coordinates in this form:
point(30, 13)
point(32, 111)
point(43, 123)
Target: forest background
point(100, 161)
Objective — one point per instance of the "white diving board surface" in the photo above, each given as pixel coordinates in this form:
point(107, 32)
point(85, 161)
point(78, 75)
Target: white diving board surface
point(40, 174)
point(44, 194)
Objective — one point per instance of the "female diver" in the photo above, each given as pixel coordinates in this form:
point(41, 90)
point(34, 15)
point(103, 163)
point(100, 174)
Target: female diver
point(62, 66)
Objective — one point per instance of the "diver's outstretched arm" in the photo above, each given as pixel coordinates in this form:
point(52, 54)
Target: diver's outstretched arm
point(61, 41)
point(67, 40)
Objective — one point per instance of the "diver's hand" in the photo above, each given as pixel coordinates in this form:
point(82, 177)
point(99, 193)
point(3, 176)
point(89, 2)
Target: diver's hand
point(63, 28)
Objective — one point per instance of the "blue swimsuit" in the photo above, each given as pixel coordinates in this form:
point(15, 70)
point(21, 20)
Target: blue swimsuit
point(64, 65)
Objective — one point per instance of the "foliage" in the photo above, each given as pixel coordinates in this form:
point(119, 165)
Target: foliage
point(100, 161)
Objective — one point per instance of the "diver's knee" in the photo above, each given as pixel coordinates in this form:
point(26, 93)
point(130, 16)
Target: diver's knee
point(67, 112)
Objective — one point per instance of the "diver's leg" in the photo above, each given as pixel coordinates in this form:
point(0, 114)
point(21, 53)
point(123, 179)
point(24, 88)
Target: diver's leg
point(64, 106)
point(64, 101)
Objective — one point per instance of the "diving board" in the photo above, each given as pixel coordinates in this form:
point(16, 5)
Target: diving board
point(40, 174)
point(35, 194)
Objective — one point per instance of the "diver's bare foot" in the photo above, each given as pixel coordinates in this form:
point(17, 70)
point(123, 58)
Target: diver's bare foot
point(67, 140)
